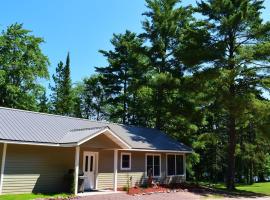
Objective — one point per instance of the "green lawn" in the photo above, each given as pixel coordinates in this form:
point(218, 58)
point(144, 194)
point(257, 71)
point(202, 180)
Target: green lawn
point(256, 189)
point(30, 196)
point(262, 188)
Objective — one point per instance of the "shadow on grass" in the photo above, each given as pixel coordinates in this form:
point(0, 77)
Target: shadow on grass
point(209, 191)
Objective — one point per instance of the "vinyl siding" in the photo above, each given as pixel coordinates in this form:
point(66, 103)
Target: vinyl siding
point(1, 154)
point(137, 172)
point(105, 180)
point(36, 169)
point(42, 169)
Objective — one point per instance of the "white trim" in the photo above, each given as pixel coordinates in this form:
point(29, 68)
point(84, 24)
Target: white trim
point(174, 154)
point(30, 143)
point(124, 144)
point(3, 166)
point(76, 171)
point(184, 165)
point(153, 154)
point(155, 150)
point(96, 176)
point(121, 164)
point(115, 164)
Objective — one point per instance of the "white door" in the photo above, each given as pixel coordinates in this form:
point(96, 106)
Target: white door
point(89, 169)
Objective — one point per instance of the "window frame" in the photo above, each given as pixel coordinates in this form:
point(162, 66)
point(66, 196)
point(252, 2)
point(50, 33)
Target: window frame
point(153, 154)
point(175, 154)
point(121, 162)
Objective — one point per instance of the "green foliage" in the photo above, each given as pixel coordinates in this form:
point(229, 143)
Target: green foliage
point(22, 64)
point(203, 80)
point(62, 94)
point(123, 76)
point(235, 66)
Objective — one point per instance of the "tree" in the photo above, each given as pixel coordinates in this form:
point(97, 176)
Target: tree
point(62, 93)
point(94, 98)
point(125, 71)
point(43, 103)
point(165, 22)
point(22, 64)
point(236, 63)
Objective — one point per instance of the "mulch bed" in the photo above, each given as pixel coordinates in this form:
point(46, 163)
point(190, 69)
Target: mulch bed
point(153, 190)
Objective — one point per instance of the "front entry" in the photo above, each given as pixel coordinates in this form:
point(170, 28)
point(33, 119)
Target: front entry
point(89, 169)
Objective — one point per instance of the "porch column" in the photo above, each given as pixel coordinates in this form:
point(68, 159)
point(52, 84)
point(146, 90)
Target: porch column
point(115, 170)
point(185, 166)
point(3, 166)
point(76, 171)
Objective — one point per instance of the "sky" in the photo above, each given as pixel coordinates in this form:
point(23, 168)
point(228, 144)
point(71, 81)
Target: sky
point(81, 27)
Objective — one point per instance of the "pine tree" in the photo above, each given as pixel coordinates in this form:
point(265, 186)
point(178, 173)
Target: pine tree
point(94, 98)
point(163, 26)
point(43, 103)
point(126, 68)
point(62, 94)
point(236, 41)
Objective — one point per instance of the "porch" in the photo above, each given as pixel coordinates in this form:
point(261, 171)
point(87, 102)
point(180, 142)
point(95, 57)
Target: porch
point(97, 156)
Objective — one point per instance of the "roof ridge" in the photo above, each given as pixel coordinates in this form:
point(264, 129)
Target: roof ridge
point(92, 128)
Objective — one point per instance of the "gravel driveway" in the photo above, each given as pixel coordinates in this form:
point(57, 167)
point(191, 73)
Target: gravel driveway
point(165, 196)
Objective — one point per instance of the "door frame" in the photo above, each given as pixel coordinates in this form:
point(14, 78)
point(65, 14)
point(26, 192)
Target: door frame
point(96, 165)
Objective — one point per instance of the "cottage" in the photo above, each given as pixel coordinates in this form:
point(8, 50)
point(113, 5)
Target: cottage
point(37, 150)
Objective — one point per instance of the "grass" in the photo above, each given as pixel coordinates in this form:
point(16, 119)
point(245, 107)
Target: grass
point(261, 188)
point(216, 191)
point(30, 196)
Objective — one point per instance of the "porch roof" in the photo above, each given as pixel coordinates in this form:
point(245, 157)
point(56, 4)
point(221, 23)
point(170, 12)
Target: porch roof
point(26, 126)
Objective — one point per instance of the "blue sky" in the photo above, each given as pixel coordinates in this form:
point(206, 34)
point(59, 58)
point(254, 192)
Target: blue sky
point(81, 27)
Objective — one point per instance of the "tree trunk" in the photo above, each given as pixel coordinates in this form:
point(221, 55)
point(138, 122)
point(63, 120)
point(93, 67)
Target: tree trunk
point(158, 109)
point(231, 153)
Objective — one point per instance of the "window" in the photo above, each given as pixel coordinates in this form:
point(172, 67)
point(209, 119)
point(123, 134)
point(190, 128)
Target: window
point(86, 164)
point(152, 165)
point(175, 165)
point(91, 163)
point(125, 161)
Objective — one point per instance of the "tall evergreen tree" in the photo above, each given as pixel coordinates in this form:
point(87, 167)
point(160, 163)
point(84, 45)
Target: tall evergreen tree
point(94, 98)
point(237, 44)
point(43, 103)
point(62, 93)
point(126, 68)
point(22, 64)
point(163, 26)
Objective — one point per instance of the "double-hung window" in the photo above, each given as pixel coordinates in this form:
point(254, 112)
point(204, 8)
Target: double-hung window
point(175, 164)
point(153, 167)
point(125, 161)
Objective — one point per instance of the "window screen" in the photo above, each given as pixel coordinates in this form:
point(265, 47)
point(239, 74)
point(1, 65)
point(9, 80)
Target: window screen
point(125, 161)
point(153, 165)
point(179, 165)
point(175, 165)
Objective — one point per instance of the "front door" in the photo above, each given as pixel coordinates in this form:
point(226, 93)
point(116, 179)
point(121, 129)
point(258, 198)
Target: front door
point(89, 169)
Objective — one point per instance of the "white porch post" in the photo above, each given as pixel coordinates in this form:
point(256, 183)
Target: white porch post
point(115, 170)
point(3, 166)
point(185, 167)
point(76, 171)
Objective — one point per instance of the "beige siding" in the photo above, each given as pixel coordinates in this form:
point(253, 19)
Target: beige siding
point(1, 154)
point(137, 172)
point(36, 169)
point(105, 180)
point(42, 169)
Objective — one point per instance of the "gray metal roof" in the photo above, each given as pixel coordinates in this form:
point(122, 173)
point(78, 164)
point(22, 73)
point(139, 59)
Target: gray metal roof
point(27, 126)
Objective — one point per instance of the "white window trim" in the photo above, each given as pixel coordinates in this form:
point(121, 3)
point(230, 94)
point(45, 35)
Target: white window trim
point(121, 164)
point(175, 154)
point(153, 154)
